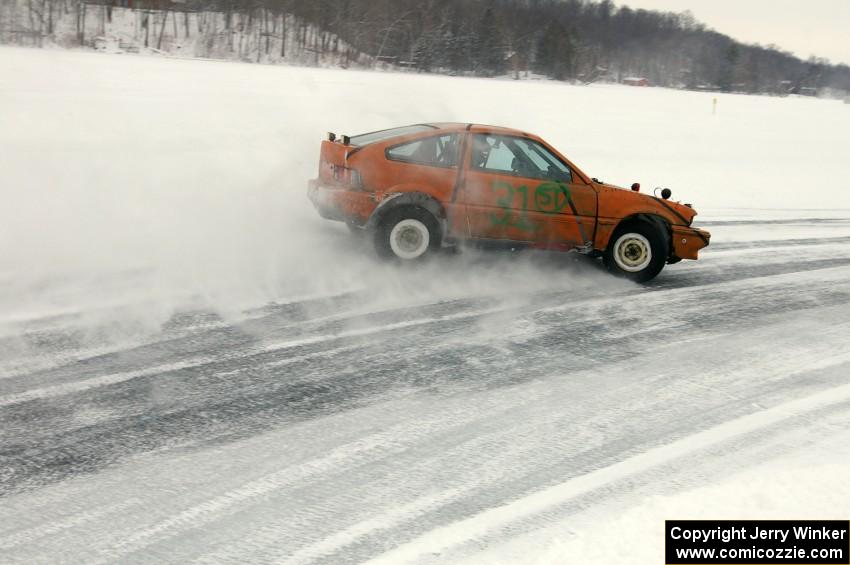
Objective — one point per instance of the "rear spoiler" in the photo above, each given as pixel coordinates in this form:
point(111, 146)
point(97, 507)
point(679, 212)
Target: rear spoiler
point(344, 139)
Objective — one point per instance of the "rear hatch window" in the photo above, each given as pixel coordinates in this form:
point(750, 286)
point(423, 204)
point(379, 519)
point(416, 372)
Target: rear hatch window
point(375, 136)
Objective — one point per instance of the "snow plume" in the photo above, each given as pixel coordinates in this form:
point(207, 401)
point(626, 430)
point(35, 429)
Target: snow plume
point(133, 187)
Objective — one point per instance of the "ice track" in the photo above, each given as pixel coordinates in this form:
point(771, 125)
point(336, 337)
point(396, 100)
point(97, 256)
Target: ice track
point(324, 431)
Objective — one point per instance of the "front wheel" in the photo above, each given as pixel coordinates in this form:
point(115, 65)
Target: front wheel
point(407, 233)
point(637, 251)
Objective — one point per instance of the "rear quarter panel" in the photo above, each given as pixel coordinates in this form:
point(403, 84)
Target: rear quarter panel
point(384, 176)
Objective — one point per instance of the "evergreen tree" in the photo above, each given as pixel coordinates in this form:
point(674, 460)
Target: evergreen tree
point(555, 51)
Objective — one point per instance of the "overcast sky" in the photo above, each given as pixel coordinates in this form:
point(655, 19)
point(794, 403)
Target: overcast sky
point(804, 27)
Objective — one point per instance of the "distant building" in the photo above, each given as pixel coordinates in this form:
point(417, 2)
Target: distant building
point(785, 87)
point(636, 81)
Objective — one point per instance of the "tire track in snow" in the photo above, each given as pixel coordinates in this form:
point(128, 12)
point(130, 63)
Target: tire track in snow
point(774, 222)
point(473, 431)
point(385, 443)
point(779, 243)
point(500, 518)
point(264, 541)
point(105, 380)
point(186, 418)
point(391, 518)
point(30, 535)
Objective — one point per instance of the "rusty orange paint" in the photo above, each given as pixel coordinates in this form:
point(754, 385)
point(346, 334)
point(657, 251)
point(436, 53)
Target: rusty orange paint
point(479, 203)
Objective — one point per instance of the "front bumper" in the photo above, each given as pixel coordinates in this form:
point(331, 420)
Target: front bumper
point(688, 241)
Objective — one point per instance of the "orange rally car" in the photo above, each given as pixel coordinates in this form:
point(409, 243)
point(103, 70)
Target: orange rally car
point(422, 187)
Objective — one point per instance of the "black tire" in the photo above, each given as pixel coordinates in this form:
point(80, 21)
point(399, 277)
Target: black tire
point(411, 219)
point(637, 251)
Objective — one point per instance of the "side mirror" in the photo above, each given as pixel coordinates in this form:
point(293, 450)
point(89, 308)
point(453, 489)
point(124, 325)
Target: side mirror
point(666, 193)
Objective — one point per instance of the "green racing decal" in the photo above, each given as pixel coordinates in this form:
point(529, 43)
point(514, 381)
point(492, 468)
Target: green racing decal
point(548, 197)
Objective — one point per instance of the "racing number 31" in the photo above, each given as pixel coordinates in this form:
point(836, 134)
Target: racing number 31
point(549, 197)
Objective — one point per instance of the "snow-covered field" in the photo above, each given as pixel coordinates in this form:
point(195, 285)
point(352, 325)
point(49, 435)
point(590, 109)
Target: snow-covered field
point(194, 366)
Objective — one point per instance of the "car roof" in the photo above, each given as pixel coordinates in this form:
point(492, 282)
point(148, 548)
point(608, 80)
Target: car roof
point(478, 128)
point(393, 135)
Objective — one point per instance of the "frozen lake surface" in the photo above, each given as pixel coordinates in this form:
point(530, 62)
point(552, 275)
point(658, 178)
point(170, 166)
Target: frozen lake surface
point(195, 367)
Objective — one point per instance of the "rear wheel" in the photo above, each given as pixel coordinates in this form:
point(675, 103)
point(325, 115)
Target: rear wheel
point(637, 251)
point(407, 233)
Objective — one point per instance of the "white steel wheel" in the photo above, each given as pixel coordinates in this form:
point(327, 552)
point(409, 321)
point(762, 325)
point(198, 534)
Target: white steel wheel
point(409, 239)
point(632, 252)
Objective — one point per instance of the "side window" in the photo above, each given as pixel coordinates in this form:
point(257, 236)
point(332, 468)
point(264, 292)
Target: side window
point(517, 156)
point(490, 153)
point(548, 166)
point(438, 151)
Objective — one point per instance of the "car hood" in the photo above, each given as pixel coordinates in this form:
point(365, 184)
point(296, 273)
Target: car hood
point(626, 202)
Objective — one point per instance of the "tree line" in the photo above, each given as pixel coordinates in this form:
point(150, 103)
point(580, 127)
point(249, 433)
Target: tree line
point(582, 40)
point(574, 40)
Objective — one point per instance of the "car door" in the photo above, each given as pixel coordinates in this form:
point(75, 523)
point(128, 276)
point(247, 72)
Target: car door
point(517, 189)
